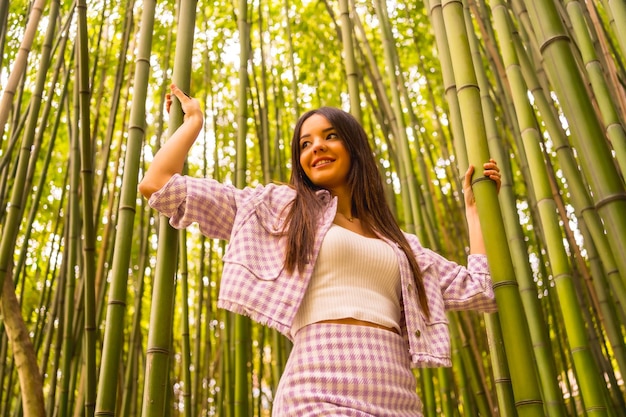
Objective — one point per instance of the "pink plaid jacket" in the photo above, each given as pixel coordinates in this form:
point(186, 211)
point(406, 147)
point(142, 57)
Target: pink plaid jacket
point(255, 283)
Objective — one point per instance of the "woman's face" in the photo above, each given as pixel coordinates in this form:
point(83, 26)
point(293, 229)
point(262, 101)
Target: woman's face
point(323, 155)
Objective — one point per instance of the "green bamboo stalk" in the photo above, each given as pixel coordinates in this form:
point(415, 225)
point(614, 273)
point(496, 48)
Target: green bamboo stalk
point(212, 350)
point(476, 382)
point(115, 98)
point(4, 14)
point(473, 330)
point(349, 60)
point(607, 54)
point(427, 387)
point(21, 343)
point(537, 326)
point(107, 236)
point(292, 63)
point(608, 305)
point(592, 392)
point(46, 163)
point(465, 398)
point(565, 364)
point(15, 208)
point(186, 349)
point(88, 227)
point(242, 324)
point(9, 366)
point(17, 73)
point(58, 345)
point(597, 289)
point(113, 345)
point(70, 260)
point(515, 327)
point(617, 10)
point(203, 369)
point(446, 392)
point(607, 185)
point(602, 94)
point(579, 194)
point(423, 177)
point(449, 83)
point(371, 67)
point(198, 366)
point(412, 219)
point(259, 373)
point(227, 387)
point(161, 316)
point(502, 378)
point(263, 105)
point(129, 397)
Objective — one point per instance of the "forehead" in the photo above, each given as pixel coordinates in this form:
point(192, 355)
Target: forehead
point(313, 123)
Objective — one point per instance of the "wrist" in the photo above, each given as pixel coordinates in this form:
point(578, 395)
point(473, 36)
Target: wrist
point(471, 213)
point(195, 117)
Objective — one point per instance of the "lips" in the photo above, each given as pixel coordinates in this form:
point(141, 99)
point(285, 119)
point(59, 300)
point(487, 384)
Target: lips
point(320, 162)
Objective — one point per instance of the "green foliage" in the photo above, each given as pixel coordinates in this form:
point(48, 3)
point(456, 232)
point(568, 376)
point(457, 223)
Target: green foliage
point(279, 91)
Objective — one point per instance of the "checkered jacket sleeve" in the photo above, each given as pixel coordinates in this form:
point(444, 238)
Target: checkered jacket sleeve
point(209, 203)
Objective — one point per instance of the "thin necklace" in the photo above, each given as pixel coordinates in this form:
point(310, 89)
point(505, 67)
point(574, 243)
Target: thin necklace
point(350, 219)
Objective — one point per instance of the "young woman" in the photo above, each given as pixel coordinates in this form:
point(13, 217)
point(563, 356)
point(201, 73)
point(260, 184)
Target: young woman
point(323, 261)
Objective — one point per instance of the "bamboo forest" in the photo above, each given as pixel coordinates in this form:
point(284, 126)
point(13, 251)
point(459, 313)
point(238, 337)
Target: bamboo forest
point(106, 310)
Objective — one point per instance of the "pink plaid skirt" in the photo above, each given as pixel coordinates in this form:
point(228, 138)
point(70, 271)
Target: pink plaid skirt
point(347, 370)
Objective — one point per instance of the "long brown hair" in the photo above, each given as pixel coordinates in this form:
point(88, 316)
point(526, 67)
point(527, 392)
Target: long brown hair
point(369, 203)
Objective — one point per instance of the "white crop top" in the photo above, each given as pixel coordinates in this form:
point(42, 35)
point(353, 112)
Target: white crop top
point(354, 276)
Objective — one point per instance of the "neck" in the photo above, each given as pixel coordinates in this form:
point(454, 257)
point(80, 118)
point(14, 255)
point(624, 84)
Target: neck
point(344, 207)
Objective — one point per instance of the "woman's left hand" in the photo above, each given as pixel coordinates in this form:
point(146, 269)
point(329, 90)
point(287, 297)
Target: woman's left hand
point(490, 170)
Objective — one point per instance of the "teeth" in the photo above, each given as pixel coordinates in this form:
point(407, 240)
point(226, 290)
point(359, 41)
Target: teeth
point(324, 162)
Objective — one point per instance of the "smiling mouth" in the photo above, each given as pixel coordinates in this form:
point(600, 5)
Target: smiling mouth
point(322, 162)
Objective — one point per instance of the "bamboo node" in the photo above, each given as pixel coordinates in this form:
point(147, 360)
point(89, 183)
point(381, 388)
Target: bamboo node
point(609, 199)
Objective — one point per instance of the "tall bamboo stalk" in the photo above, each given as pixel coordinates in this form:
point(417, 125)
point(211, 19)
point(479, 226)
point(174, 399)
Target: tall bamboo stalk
point(242, 324)
point(186, 349)
point(587, 135)
point(515, 327)
point(617, 11)
point(591, 387)
point(15, 209)
point(116, 310)
point(602, 94)
point(412, 219)
point(88, 227)
point(161, 315)
point(288, 71)
point(351, 68)
point(537, 324)
point(18, 70)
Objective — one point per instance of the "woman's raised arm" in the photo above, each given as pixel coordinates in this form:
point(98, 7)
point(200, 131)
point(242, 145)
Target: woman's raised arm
point(477, 241)
point(170, 159)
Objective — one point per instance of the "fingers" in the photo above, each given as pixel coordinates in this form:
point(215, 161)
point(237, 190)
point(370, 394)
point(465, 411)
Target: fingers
point(189, 105)
point(180, 94)
point(467, 180)
point(492, 171)
point(168, 102)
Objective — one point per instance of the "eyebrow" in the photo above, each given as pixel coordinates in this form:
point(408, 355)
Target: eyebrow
point(328, 129)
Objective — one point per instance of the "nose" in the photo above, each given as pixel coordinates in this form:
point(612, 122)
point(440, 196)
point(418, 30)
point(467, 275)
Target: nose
point(318, 145)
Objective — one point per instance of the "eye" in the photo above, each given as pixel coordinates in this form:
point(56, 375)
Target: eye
point(332, 136)
point(304, 144)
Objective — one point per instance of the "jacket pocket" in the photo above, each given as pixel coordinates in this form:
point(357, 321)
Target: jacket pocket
point(258, 242)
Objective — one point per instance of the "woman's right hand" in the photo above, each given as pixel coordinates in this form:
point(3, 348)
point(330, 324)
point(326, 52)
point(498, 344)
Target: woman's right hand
point(189, 105)
point(170, 158)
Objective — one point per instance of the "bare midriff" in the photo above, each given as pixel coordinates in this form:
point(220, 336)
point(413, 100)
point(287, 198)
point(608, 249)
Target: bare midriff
point(356, 322)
